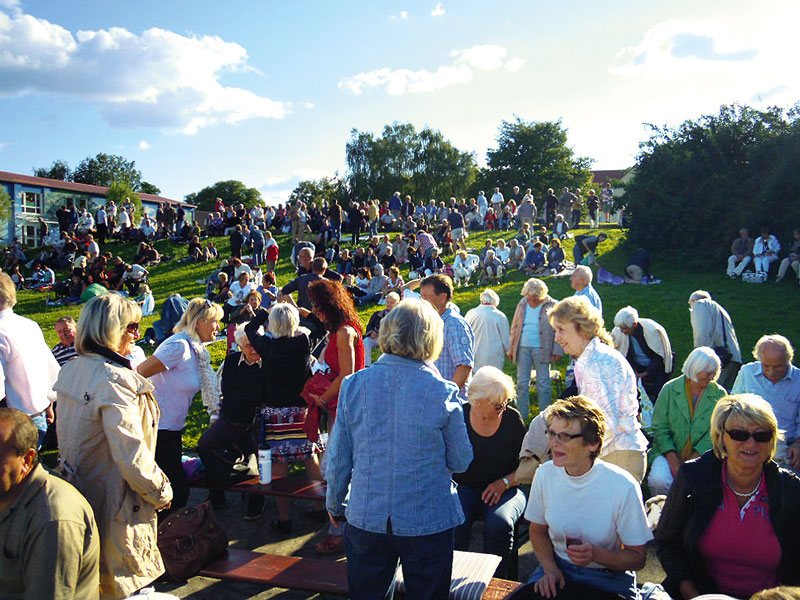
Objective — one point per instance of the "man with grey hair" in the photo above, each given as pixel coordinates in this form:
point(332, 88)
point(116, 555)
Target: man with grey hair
point(581, 282)
point(28, 369)
point(773, 377)
point(491, 330)
point(374, 326)
point(741, 254)
point(645, 344)
point(712, 327)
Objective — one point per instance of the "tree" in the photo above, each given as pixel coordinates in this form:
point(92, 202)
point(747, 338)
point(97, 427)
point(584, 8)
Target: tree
point(119, 191)
point(314, 192)
point(534, 155)
point(105, 169)
point(148, 188)
point(704, 180)
point(423, 164)
point(58, 170)
point(232, 192)
point(5, 204)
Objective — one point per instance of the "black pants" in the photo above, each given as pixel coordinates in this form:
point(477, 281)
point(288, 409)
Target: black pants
point(169, 449)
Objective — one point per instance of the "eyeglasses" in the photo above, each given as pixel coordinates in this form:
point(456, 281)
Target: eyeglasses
point(498, 406)
point(740, 435)
point(132, 327)
point(562, 436)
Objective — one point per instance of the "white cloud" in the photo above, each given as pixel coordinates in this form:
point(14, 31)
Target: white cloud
point(398, 82)
point(297, 175)
point(514, 65)
point(155, 79)
point(308, 104)
point(438, 11)
point(143, 145)
point(403, 14)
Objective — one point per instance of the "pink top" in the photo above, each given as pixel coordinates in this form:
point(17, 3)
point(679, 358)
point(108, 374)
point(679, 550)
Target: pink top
point(741, 550)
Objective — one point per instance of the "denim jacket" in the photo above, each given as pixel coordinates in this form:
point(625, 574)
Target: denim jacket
point(398, 438)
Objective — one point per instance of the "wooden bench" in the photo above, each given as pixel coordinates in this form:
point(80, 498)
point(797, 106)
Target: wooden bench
point(305, 574)
point(287, 487)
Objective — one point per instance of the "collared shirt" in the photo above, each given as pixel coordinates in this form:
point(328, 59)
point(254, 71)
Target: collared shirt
point(458, 347)
point(28, 366)
point(63, 353)
point(50, 542)
point(784, 396)
point(592, 296)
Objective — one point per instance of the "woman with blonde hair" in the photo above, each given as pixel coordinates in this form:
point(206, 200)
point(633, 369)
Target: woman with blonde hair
point(605, 376)
point(107, 437)
point(178, 369)
point(730, 523)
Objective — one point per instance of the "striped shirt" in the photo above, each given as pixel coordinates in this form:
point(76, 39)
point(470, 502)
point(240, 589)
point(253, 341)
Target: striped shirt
point(63, 353)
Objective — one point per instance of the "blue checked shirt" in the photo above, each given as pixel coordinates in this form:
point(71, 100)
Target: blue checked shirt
point(458, 345)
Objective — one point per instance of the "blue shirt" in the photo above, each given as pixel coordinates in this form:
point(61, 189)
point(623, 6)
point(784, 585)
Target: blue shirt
point(592, 296)
point(534, 258)
point(784, 396)
point(639, 354)
point(396, 447)
point(456, 220)
point(530, 328)
point(458, 345)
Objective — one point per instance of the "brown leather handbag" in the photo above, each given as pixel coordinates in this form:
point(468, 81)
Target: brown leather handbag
point(190, 539)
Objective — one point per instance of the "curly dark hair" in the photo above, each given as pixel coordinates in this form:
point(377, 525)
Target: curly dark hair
point(334, 301)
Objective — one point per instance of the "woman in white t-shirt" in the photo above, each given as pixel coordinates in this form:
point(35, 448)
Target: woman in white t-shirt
point(178, 369)
point(588, 525)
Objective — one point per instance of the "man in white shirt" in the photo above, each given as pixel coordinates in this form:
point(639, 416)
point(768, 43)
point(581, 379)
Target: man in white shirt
point(497, 199)
point(765, 251)
point(491, 330)
point(28, 369)
point(102, 226)
point(133, 276)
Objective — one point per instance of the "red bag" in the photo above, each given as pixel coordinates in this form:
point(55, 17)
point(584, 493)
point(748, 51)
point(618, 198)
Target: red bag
point(317, 384)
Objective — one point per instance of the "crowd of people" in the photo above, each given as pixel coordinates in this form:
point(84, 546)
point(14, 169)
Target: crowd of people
point(420, 442)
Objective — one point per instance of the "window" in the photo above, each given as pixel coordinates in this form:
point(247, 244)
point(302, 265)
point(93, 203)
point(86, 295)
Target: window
point(30, 236)
point(32, 203)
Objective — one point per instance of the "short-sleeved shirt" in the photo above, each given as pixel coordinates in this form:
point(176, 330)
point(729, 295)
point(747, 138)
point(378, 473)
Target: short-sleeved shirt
point(604, 506)
point(175, 388)
point(458, 347)
point(784, 396)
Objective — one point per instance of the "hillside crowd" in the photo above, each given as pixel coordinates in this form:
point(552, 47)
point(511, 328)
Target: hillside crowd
point(411, 421)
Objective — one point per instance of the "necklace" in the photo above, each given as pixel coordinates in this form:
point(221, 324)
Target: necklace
point(748, 494)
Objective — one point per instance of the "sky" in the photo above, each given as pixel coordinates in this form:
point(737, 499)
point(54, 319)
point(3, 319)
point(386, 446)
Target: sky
point(268, 92)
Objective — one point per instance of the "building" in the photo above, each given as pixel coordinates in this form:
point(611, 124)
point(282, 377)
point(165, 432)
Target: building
point(35, 197)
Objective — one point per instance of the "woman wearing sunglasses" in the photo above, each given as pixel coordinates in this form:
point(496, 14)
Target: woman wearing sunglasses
point(730, 524)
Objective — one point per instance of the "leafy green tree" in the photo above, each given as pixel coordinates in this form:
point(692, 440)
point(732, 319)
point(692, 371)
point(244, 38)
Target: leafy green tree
point(423, 164)
point(5, 204)
point(534, 155)
point(119, 191)
point(148, 188)
point(314, 192)
point(231, 192)
point(695, 185)
point(58, 170)
point(105, 169)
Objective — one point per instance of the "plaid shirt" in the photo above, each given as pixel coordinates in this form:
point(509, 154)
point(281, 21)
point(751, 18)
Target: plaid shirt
point(457, 350)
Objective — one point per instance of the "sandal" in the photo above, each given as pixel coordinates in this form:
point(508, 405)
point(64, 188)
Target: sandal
point(333, 544)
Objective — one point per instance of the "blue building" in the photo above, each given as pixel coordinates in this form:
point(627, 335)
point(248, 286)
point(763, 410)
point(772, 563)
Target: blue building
point(37, 197)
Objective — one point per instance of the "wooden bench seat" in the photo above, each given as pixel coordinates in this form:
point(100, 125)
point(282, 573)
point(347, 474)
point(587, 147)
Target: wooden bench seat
point(305, 574)
point(287, 487)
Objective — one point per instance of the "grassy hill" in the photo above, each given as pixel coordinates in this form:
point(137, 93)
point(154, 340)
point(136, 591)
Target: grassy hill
point(755, 309)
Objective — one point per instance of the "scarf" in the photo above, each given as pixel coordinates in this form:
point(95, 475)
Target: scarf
point(209, 384)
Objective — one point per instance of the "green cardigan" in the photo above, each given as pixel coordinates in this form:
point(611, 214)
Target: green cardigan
point(671, 422)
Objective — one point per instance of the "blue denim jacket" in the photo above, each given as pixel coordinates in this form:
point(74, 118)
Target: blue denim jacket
point(398, 438)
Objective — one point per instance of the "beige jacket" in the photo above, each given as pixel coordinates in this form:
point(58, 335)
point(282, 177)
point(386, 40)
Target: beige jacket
point(547, 344)
point(655, 336)
point(107, 427)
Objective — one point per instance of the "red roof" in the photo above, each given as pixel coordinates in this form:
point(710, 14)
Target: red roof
point(71, 186)
point(603, 177)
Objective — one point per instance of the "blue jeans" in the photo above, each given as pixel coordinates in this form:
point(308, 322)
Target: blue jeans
point(372, 558)
point(498, 522)
point(616, 582)
point(527, 359)
point(367, 298)
point(40, 421)
point(258, 254)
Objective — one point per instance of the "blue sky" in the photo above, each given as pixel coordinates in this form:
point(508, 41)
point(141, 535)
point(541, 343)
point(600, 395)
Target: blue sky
point(267, 92)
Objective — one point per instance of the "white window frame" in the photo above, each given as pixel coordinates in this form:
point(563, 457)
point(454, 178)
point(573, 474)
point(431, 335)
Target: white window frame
point(37, 208)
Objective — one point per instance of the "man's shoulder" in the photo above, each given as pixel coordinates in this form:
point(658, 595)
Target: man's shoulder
point(50, 498)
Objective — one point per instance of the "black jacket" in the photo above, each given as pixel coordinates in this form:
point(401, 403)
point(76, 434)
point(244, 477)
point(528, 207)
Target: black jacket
point(692, 501)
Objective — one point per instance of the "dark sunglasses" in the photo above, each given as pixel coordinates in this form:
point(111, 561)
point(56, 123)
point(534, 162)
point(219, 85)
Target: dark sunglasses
point(132, 327)
point(740, 435)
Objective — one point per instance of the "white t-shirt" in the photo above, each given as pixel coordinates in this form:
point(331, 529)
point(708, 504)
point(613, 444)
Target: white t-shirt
point(604, 506)
point(175, 387)
point(239, 293)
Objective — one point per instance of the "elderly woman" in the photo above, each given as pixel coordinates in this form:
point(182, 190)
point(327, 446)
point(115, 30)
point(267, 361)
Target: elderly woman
point(488, 488)
point(178, 369)
point(490, 328)
point(285, 354)
point(682, 418)
point(532, 344)
point(463, 267)
point(555, 257)
point(107, 436)
point(730, 521)
point(393, 452)
point(588, 525)
point(605, 376)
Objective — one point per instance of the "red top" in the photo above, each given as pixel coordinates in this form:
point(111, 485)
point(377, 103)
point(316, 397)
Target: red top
point(741, 550)
point(272, 252)
point(331, 356)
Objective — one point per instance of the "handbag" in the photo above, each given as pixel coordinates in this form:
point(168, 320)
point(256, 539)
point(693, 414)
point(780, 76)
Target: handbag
point(190, 539)
point(722, 351)
point(230, 465)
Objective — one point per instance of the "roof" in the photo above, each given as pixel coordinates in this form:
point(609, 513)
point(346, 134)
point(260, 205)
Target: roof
point(603, 177)
point(71, 186)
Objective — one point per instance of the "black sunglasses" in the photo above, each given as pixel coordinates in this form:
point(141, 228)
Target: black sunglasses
point(562, 436)
point(132, 327)
point(740, 435)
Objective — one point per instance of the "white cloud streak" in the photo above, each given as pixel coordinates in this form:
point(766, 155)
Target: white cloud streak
point(438, 11)
point(398, 82)
point(155, 79)
point(143, 145)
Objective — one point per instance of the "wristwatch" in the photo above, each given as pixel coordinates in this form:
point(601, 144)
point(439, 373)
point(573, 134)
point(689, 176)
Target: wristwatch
point(507, 482)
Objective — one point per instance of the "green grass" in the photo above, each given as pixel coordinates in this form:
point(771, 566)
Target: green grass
point(754, 309)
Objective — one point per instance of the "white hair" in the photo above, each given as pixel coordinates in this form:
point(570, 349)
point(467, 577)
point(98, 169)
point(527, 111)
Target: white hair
point(699, 295)
point(239, 335)
point(283, 320)
point(584, 272)
point(492, 385)
point(626, 317)
point(489, 296)
point(536, 288)
point(701, 360)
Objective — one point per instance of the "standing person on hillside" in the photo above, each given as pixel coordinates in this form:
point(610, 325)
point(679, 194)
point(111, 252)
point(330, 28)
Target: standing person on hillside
point(356, 219)
point(237, 241)
point(490, 328)
point(497, 200)
point(395, 205)
point(592, 204)
point(550, 207)
point(712, 327)
point(565, 201)
point(607, 201)
point(526, 213)
point(577, 208)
